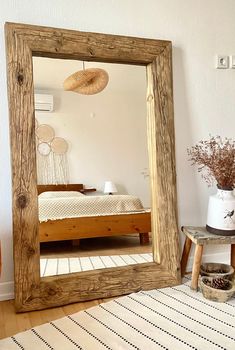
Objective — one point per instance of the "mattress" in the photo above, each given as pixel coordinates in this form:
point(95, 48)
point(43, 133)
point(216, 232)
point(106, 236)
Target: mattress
point(54, 208)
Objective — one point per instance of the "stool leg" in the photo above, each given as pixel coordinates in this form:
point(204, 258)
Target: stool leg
point(185, 255)
point(233, 255)
point(196, 266)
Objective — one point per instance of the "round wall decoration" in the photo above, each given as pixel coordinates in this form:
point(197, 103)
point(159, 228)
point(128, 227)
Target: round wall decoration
point(45, 133)
point(44, 148)
point(59, 145)
point(52, 164)
point(88, 81)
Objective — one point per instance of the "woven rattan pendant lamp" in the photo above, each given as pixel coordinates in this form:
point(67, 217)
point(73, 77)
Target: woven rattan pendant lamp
point(88, 81)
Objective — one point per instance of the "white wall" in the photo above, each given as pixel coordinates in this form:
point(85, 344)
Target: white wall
point(203, 97)
point(106, 132)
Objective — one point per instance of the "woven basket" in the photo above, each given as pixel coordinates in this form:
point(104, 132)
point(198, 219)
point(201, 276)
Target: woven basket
point(87, 82)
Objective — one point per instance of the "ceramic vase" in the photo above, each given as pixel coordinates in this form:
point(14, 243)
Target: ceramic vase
point(221, 213)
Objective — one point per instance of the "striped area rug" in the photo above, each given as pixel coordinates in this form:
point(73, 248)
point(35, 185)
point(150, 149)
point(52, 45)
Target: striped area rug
point(51, 267)
point(170, 318)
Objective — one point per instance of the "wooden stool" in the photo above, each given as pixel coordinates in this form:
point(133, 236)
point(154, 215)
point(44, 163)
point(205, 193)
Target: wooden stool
point(200, 236)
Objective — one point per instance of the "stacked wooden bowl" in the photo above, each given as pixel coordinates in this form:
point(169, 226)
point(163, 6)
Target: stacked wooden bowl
point(217, 281)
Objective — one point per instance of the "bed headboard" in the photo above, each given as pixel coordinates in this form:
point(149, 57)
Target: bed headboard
point(69, 187)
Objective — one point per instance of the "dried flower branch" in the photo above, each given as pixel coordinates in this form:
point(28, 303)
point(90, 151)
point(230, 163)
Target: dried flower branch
point(216, 161)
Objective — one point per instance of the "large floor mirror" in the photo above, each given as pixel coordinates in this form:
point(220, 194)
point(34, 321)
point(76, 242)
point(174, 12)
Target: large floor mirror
point(94, 184)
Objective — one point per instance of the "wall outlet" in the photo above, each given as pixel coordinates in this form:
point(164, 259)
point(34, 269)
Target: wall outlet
point(222, 62)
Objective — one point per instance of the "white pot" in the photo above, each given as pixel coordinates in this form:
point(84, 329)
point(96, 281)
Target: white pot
point(221, 213)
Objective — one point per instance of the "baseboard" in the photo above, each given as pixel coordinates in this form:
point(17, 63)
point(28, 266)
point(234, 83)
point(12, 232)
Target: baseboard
point(6, 290)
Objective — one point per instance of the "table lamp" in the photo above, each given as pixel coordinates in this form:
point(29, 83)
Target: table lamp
point(109, 187)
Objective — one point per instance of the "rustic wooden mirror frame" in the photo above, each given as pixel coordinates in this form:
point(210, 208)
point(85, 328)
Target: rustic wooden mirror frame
point(31, 291)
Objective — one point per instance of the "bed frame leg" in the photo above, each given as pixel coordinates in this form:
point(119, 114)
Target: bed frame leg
point(144, 238)
point(76, 242)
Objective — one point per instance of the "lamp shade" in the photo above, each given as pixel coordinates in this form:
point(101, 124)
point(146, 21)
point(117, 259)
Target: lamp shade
point(109, 187)
point(87, 81)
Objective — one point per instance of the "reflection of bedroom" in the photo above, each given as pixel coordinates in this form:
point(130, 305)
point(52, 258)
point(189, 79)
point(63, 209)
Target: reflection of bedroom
point(91, 125)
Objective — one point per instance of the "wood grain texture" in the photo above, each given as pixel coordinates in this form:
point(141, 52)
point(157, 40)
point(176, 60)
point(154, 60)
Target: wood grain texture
point(23, 41)
point(86, 46)
point(89, 285)
point(12, 323)
point(161, 148)
point(196, 266)
point(94, 226)
point(23, 157)
point(199, 235)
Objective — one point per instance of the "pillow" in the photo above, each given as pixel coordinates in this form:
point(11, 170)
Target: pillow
point(60, 194)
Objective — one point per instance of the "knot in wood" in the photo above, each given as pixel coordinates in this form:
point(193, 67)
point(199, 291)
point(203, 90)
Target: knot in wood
point(20, 78)
point(59, 44)
point(91, 51)
point(51, 291)
point(22, 201)
point(30, 251)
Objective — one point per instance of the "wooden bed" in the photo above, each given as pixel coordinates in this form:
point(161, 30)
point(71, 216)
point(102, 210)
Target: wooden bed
point(92, 226)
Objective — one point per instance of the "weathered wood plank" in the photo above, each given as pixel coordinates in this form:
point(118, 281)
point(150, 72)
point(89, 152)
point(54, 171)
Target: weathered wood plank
point(105, 283)
point(199, 235)
point(161, 146)
point(63, 43)
point(23, 156)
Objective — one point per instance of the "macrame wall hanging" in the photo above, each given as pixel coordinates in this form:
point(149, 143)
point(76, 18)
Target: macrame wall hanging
point(52, 164)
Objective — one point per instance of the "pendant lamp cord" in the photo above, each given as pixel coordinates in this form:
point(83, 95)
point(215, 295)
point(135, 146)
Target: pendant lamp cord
point(83, 65)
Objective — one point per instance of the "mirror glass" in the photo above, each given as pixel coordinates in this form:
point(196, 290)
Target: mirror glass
point(97, 142)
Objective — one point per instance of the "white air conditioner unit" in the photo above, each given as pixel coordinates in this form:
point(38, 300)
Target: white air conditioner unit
point(43, 102)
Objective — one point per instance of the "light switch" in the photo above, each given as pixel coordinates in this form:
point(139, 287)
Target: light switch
point(232, 61)
point(222, 62)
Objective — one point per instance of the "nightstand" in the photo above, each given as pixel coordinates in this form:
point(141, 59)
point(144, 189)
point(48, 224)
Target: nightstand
point(200, 236)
